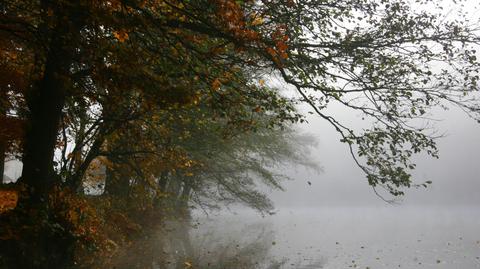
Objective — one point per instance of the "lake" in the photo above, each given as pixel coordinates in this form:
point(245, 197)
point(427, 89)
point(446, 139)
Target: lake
point(344, 237)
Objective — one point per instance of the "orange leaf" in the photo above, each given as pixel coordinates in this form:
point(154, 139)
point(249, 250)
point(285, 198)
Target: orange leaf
point(8, 200)
point(216, 84)
point(121, 35)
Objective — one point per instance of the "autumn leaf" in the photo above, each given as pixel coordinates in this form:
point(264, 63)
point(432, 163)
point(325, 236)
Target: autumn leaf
point(282, 46)
point(257, 21)
point(271, 51)
point(8, 200)
point(216, 84)
point(121, 35)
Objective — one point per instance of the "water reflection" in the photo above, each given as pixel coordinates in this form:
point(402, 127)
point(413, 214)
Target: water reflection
point(244, 241)
point(212, 244)
point(331, 237)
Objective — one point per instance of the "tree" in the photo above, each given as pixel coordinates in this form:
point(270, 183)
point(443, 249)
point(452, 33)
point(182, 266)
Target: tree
point(11, 85)
point(160, 149)
point(327, 60)
point(95, 67)
point(387, 60)
point(229, 170)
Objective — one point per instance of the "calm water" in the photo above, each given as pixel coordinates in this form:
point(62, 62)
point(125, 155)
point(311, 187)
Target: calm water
point(347, 237)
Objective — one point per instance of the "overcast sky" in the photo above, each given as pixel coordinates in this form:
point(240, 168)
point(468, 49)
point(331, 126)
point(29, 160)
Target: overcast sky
point(455, 175)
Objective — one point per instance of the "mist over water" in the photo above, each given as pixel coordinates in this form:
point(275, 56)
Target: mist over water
point(333, 219)
point(356, 237)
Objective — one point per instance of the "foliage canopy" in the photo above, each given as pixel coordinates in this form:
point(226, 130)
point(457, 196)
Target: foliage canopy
point(138, 85)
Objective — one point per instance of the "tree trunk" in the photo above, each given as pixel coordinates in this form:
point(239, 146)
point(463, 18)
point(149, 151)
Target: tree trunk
point(3, 142)
point(43, 245)
point(182, 203)
point(163, 181)
point(117, 184)
point(118, 179)
point(2, 159)
point(45, 105)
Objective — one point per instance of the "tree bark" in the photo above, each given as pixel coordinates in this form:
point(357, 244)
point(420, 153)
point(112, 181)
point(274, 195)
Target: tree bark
point(45, 103)
point(42, 245)
point(3, 142)
point(2, 159)
point(117, 183)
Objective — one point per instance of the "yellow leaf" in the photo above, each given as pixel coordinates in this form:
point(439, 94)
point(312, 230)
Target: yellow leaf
point(257, 21)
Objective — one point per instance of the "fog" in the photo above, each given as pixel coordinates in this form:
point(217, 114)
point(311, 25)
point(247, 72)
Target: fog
point(359, 237)
point(337, 221)
point(454, 174)
point(331, 217)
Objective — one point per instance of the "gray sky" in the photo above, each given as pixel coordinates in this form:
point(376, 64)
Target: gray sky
point(455, 175)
